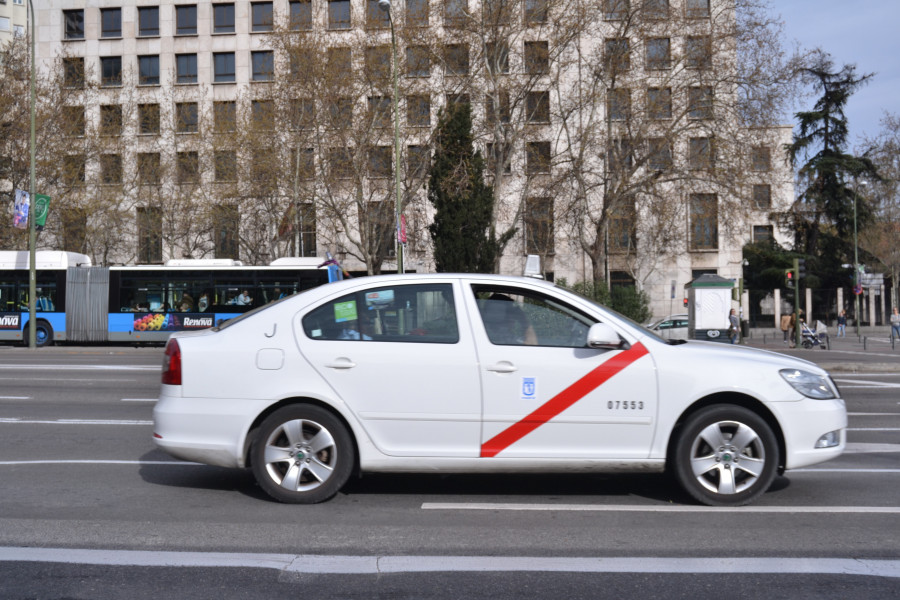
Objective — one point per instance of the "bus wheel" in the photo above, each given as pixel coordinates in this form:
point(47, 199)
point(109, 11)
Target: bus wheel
point(43, 334)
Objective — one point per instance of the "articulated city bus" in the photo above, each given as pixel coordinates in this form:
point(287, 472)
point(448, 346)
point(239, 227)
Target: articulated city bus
point(78, 302)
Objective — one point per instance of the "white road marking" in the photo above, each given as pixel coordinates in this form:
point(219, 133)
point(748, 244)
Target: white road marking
point(15, 367)
point(873, 429)
point(884, 374)
point(99, 462)
point(15, 397)
point(863, 448)
point(67, 379)
point(375, 565)
point(139, 399)
point(893, 414)
point(663, 508)
point(72, 422)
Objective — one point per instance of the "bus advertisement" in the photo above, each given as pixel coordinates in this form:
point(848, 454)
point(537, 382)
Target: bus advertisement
point(78, 302)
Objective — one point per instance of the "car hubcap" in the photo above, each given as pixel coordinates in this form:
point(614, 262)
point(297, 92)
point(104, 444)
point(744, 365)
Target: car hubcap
point(300, 455)
point(727, 457)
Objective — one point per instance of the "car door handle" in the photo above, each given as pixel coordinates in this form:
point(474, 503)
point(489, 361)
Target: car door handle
point(503, 367)
point(341, 363)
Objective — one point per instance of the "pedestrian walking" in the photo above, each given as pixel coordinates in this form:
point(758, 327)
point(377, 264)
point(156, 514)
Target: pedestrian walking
point(842, 324)
point(895, 324)
point(734, 328)
point(786, 320)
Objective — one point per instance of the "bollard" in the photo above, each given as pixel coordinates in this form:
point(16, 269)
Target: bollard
point(865, 339)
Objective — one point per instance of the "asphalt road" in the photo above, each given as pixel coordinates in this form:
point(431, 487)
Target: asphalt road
point(89, 509)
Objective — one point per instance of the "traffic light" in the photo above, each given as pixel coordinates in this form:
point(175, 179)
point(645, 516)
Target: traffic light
point(789, 279)
point(801, 268)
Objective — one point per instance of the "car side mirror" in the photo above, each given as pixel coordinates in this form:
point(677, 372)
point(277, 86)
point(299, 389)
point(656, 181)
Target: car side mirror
point(601, 335)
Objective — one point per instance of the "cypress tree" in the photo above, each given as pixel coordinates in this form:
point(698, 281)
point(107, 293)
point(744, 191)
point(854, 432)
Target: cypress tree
point(462, 232)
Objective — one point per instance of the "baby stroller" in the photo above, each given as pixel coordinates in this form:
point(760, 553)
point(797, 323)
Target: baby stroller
point(814, 337)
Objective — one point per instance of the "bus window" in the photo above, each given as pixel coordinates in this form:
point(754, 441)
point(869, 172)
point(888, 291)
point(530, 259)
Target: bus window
point(142, 294)
point(8, 296)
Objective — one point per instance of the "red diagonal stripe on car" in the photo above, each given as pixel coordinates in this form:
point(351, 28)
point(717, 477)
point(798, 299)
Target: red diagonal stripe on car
point(562, 401)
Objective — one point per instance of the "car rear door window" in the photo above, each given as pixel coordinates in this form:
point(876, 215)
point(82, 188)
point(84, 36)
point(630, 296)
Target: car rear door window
point(403, 313)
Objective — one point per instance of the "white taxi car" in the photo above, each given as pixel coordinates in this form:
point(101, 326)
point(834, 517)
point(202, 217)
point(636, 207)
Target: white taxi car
point(483, 373)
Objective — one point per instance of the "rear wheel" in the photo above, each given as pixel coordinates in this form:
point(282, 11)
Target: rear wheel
point(726, 456)
point(302, 454)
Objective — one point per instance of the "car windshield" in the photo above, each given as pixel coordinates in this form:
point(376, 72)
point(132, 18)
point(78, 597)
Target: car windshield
point(636, 328)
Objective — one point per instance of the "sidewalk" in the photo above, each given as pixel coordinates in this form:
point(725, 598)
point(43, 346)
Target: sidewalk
point(870, 352)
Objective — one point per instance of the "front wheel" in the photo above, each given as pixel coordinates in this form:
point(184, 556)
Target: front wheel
point(302, 455)
point(726, 456)
point(43, 334)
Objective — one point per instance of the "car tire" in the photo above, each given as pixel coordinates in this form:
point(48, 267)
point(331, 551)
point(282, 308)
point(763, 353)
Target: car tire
point(43, 334)
point(302, 454)
point(725, 455)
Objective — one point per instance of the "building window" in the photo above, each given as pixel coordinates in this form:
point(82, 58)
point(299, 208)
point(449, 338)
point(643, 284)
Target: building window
point(701, 153)
point(187, 167)
point(186, 19)
point(340, 163)
point(111, 119)
point(619, 157)
point(185, 68)
point(303, 113)
point(704, 222)
point(148, 70)
point(618, 104)
point(261, 16)
point(148, 119)
point(537, 107)
point(338, 14)
point(380, 162)
point(617, 55)
point(418, 111)
point(19, 31)
point(262, 115)
point(226, 223)
point(495, 154)
point(455, 12)
point(110, 22)
point(110, 71)
point(73, 121)
point(497, 12)
point(379, 224)
point(696, 9)
point(659, 54)
point(223, 18)
point(73, 169)
point(497, 108)
point(149, 168)
point(418, 161)
point(378, 62)
point(225, 166)
point(379, 111)
point(148, 21)
point(74, 23)
point(417, 13)
point(73, 72)
point(187, 119)
point(761, 158)
point(264, 172)
point(535, 12)
point(418, 61)
point(263, 65)
point(225, 116)
point(306, 222)
point(223, 67)
point(698, 52)
point(306, 167)
point(700, 102)
point(659, 157)
point(301, 15)
point(763, 233)
point(538, 226)
point(149, 225)
point(659, 103)
point(456, 58)
point(110, 169)
point(537, 157)
point(762, 196)
point(497, 57)
point(376, 18)
point(656, 9)
point(74, 231)
point(339, 111)
point(622, 231)
point(338, 60)
point(457, 100)
point(537, 58)
point(615, 10)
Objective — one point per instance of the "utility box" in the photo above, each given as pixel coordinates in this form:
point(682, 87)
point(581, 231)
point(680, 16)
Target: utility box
point(709, 302)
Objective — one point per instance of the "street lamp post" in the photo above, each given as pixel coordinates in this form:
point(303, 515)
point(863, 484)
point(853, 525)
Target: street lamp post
point(856, 260)
point(386, 6)
point(32, 235)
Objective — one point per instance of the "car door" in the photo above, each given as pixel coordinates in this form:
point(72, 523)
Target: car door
point(547, 395)
point(399, 358)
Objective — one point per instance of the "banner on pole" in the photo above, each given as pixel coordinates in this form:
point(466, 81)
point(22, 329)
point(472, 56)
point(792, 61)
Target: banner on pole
point(41, 209)
point(20, 218)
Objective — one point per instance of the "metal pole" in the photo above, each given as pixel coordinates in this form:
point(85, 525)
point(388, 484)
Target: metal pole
point(32, 235)
point(855, 263)
point(797, 327)
point(398, 202)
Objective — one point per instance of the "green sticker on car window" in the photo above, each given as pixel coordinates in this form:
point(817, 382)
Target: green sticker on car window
point(345, 311)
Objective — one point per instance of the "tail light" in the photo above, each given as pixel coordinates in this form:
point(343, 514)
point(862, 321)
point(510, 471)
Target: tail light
point(171, 368)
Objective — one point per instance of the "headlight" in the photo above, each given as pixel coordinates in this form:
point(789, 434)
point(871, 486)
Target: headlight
point(811, 385)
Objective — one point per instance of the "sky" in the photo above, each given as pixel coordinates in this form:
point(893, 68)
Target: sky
point(864, 32)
